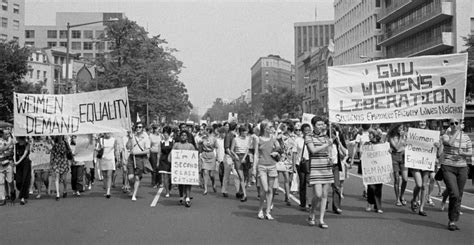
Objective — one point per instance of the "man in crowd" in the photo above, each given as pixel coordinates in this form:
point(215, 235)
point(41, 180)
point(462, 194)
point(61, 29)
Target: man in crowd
point(139, 146)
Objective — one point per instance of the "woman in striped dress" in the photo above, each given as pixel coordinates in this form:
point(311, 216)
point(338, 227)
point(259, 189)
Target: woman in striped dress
point(321, 176)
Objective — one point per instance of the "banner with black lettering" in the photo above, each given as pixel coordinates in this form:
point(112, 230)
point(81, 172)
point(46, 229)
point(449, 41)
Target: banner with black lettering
point(398, 90)
point(421, 150)
point(66, 114)
point(184, 167)
point(376, 164)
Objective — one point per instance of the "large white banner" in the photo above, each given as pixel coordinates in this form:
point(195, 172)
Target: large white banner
point(66, 114)
point(376, 164)
point(184, 167)
point(398, 90)
point(420, 150)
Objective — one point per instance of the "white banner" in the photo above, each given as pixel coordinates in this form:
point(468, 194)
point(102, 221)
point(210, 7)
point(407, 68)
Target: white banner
point(184, 167)
point(83, 113)
point(307, 119)
point(40, 154)
point(233, 117)
point(420, 152)
point(376, 164)
point(398, 90)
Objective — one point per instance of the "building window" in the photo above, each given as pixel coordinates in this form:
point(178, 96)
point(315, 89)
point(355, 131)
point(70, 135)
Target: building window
point(56, 60)
point(31, 74)
point(88, 34)
point(3, 37)
point(38, 74)
point(29, 43)
point(5, 5)
point(52, 44)
point(100, 45)
point(62, 33)
point(99, 34)
point(377, 3)
point(16, 8)
point(76, 45)
point(63, 44)
point(29, 34)
point(4, 22)
point(52, 34)
point(76, 34)
point(88, 55)
point(16, 25)
point(87, 46)
point(44, 74)
point(16, 39)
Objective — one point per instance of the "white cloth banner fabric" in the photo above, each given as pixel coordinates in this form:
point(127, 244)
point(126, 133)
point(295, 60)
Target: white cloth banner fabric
point(376, 164)
point(420, 150)
point(67, 114)
point(184, 167)
point(398, 90)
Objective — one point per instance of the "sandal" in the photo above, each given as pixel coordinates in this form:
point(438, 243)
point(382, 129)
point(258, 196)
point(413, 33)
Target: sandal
point(323, 225)
point(403, 201)
point(311, 221)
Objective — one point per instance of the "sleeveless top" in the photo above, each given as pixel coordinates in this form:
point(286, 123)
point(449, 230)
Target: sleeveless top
point(265, 147)
point(241, 145)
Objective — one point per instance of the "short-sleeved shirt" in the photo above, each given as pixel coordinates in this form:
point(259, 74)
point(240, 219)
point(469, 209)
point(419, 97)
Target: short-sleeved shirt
point(185, 146)
point(451, 151)
point(220, 150)
point(140, 142)
point(317, 141)
point(6, 156)
point(155, 141)
point(228, 138)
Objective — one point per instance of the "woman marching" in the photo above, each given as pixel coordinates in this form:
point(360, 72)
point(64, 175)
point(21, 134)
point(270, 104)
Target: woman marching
point(108, 144)
point(23, 168)
point(397, 139)
point(265, 165)
point(164, 166)
point(240, 151)
point(59, 163)
point(183, 144)
point(456, 148)
point(374, 191)
point(207, 145)
point(321, 176)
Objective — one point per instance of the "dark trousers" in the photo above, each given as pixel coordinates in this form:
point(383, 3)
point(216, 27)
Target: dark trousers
point(23, 178)
point(374, 195)
point(336, 189)
point(302, 187)
point(455, 178)
point(155, 176)
point(90, 176)
point(221, 172)
point(77, 176)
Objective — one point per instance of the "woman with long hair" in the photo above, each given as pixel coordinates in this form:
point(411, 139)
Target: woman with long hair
point(397, 139)
point(59, 163)
point(321, 176)
point(265, 164)
point(23, 168)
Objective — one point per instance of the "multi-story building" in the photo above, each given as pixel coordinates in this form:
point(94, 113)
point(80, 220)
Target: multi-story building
point(356, 31)
point(315, 100)
point(308, 36)
point(429, 27)
point(84, 40)
point(12, 17)
point(270, 73)
point(40, 70)
point(414, 27)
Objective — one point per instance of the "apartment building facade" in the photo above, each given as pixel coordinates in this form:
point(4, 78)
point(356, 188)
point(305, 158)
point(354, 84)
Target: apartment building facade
point(12, 17)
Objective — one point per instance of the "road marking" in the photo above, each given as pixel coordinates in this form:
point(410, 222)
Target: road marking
point(408, 190)
point(157, 197)
point(290, 196)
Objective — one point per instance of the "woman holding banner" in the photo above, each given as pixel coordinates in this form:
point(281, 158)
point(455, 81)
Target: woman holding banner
point(59, 163)
point(397, 139)
point(374, 191)
point(457, 148)
point(23, 168)
point(321, 176)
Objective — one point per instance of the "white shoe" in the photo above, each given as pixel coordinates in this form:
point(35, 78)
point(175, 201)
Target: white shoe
point(134, 198)
point(269, 216)
point(78, 193)
point(89, 187)
point(167, 195)
point(260, 215)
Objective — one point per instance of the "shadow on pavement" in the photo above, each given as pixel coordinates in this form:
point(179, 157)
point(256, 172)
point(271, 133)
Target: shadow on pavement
point(425, 223)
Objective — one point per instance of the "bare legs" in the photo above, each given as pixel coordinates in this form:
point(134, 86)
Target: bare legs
point(320, 196)
point(136, 183)
point(400, 190)
point(266, 183)
point(108, 178)
point(166, 183)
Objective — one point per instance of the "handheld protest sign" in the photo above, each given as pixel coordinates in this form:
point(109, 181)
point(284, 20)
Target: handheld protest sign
point(420, 152)
point(184, 167)
point(376, 164)
point(67, 114)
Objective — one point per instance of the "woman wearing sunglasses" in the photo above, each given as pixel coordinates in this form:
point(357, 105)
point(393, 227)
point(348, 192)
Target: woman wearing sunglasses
point(457, 147)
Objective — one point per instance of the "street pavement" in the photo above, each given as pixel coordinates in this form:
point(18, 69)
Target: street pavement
point(213, 219)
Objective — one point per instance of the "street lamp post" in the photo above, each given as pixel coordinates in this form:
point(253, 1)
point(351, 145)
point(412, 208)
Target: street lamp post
point(68, 41)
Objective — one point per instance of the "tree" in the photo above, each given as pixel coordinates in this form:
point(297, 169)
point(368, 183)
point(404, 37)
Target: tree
point(146, 67)
point(280, 101)
point(220, 111)
point(13, 67)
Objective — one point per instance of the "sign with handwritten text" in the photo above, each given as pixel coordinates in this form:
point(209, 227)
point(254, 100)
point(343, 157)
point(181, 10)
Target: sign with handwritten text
point(184, 167)
point(40, 154)
point(420, 150)
point(376, 164)
point(67, 114)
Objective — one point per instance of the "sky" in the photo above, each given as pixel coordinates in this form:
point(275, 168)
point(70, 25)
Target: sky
point(218, 41)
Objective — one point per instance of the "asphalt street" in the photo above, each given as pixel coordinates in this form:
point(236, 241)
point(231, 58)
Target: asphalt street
point(213, 219)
